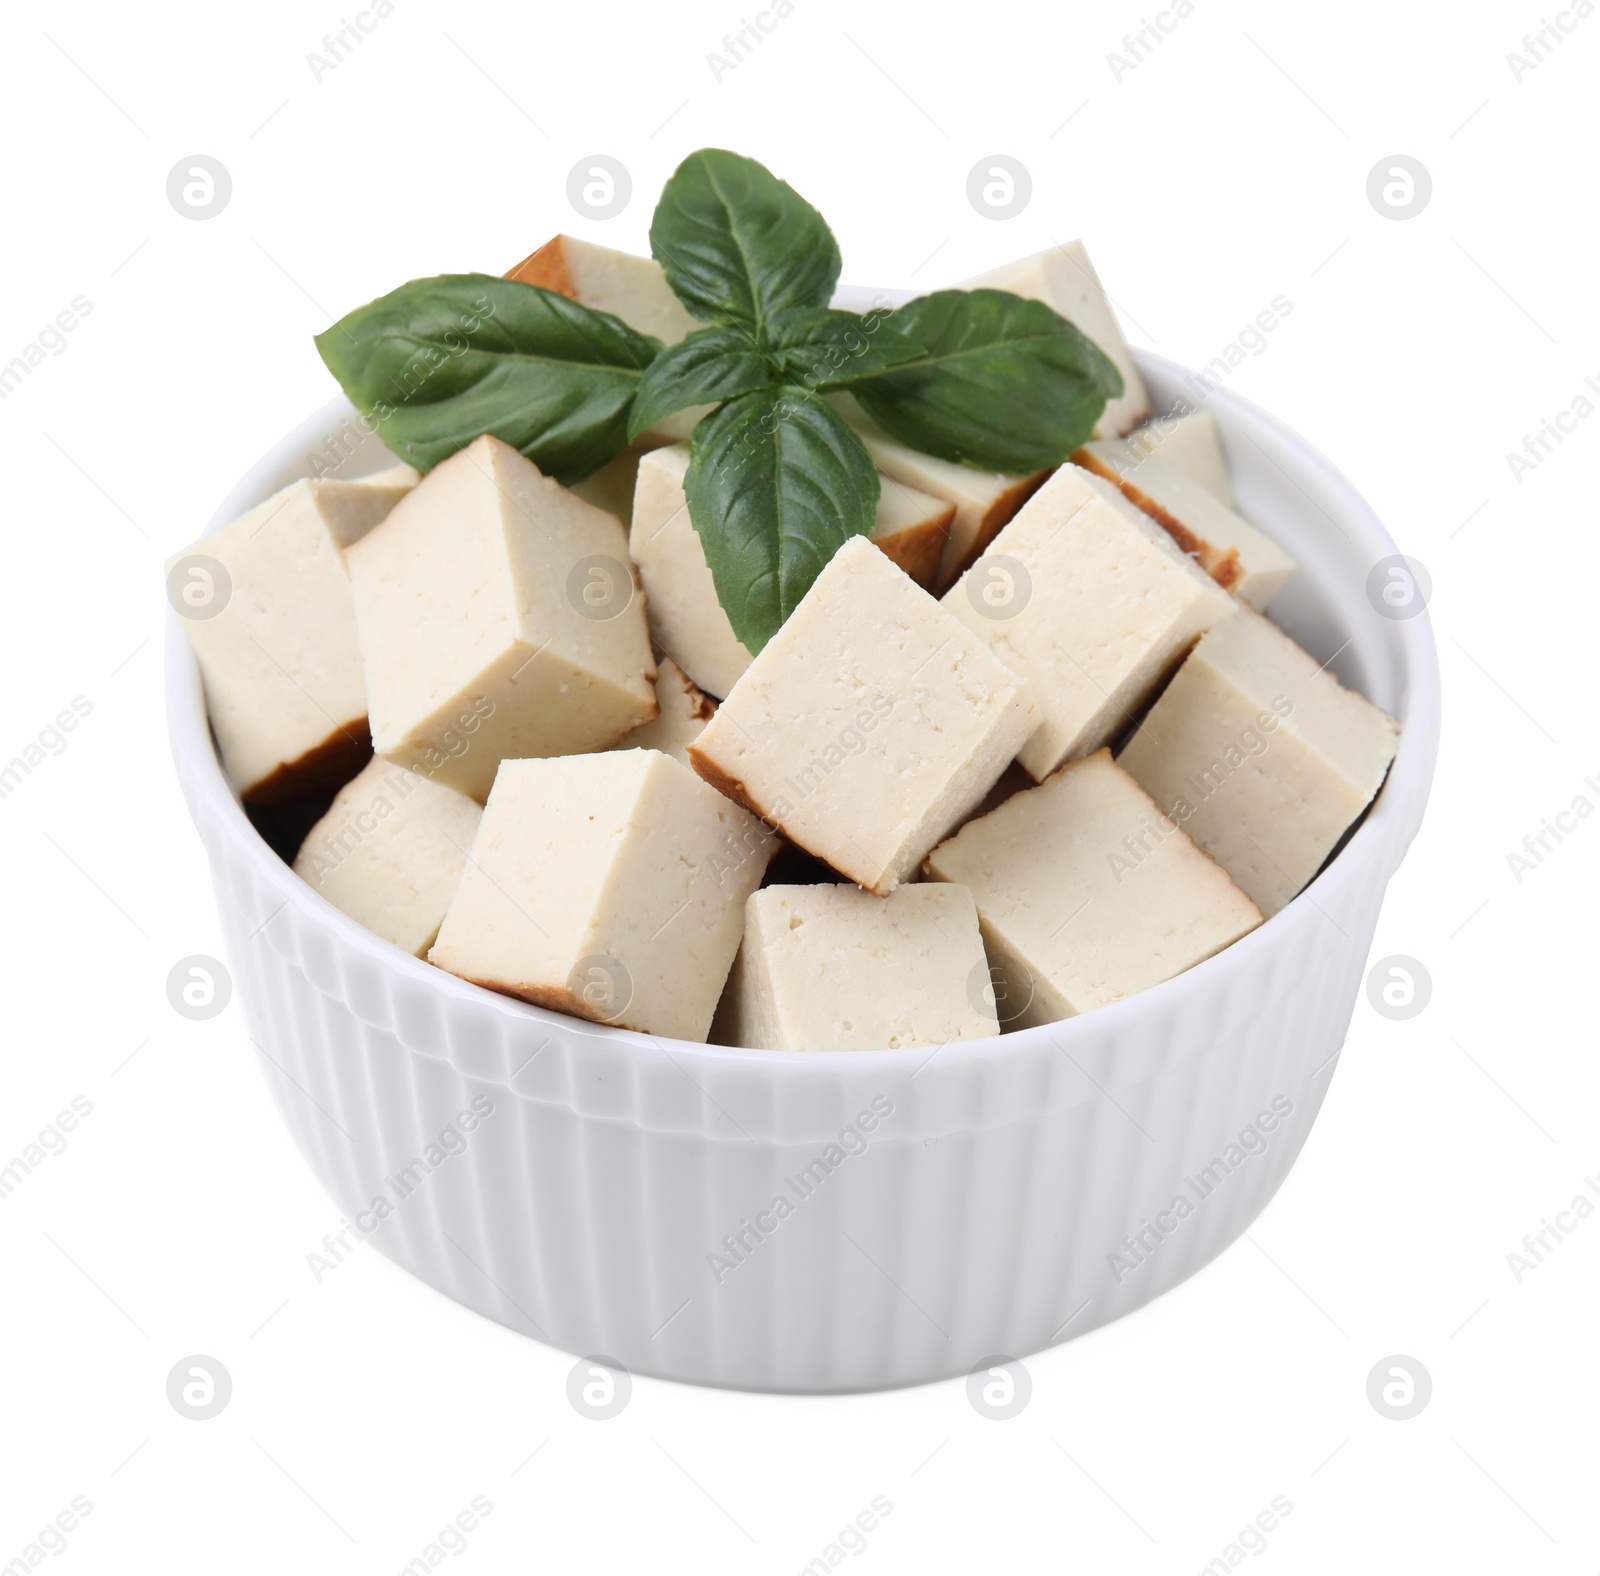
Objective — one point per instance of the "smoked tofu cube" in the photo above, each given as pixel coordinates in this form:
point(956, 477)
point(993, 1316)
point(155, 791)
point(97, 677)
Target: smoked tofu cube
point(389, 852)
point(685, 711)
point(499, 617)
point(630, 287)
point(1087, 893)
point(869, 725)
point(1189, 443)
point(1093, 604)
point(1262, 756)
point(686, 619)
point(1064, 278)
point(280, 660)
point(833, 968)
point(608, 886)
point(1231, 550)
point(981, 501)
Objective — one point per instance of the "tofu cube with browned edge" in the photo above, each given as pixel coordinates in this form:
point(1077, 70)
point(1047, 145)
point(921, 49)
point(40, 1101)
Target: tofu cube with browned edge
point(625, 285)
point(1064, 278)
point(869, 725)
point(981, 502)
point(499, 617)
point(1231, 550)
point(1187, 440)
point(685, 711)
point(833, 968)
point(389, 852)
point(266, 605)
point(1091, 602)
point(1088, 894)
point(608, 886)
point(686, 618)
point(1262, 756)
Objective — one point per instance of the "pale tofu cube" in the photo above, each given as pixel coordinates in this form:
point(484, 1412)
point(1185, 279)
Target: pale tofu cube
point(685, 711)
point(686, 618)
point(1064, 278)
point(833, 968)
point(1091, 602)
point(389, 852)
point(608, 886)
point(612, 486)
point(1087, 893)
point(280, 660)
point(982, 501)
point(1231, 550)
point(627, 286)
point(499, 617)
point(400, 476)
point(1191, 443)
point(1262, 756)
point(869, 725)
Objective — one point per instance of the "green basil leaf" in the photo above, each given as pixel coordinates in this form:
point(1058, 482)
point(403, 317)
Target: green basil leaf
point(439, 362)
point(818, 348)
point(712, 364)
point(777, 484)
point(1005, 383)
point(738, 244)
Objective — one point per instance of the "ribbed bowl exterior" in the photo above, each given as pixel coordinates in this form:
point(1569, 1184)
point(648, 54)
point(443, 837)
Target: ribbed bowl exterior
point(614, 1194)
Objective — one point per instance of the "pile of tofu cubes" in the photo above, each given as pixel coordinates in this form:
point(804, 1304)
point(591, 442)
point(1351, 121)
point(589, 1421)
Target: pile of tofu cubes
point(557, 773)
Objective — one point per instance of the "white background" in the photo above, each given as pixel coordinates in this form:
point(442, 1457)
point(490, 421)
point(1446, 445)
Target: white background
point(1226, 169)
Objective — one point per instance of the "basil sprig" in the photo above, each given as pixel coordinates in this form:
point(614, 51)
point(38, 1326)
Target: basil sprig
point(440, 362)
point(777, 478)
point(1003, 383)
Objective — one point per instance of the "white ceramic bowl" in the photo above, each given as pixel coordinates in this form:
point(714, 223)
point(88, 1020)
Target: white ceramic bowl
point(984, 1211)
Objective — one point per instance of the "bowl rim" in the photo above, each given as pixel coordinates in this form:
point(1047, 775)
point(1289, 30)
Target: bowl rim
point(1372, 853)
